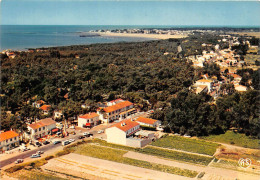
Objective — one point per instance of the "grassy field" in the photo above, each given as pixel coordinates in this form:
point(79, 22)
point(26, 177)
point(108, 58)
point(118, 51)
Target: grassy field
point(117, 156)
point(233, 138)
point(175, 155)
point(251, 58)
point(186, 144)
point(31, 175)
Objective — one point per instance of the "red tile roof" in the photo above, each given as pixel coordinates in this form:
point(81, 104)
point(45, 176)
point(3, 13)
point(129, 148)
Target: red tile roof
point(117, 106)
point(89, 116)
point(129, 124)
point(146, 120)
point(45, 107)
point(8, 135)
point(41, 123)
point(116, 100)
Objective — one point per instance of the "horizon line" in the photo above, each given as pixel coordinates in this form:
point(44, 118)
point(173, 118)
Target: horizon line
point(123, 25)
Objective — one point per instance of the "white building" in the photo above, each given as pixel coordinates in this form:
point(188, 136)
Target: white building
point(206, 82)
point(148, 122)
point(58, 114)
point(119, 132)
point(90, 119)
point(40, 128)
point(8, 140)
point(118, 111)
point(240, 88)
point(114, 102)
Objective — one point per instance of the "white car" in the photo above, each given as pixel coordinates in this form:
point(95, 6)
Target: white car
point(71, 140)
point(85, 133)
point(100, 131)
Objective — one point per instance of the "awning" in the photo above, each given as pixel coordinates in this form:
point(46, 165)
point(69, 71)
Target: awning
point(88, 124)
point(55, 130)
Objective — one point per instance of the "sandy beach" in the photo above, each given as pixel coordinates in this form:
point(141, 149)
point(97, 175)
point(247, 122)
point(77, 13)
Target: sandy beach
point(151, 36)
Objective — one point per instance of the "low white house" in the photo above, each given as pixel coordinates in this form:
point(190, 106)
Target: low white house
point(90, 119)
point(148, 122)
point(240, 88)
point(8, 140)
point(119, 132)
point(206, 82)
point(41, 128)
point(58, 114)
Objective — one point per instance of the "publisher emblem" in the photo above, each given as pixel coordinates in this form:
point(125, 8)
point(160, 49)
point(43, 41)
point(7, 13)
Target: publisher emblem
point(244, 163)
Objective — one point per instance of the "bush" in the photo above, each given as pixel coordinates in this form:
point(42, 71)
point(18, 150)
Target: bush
point(49, 157)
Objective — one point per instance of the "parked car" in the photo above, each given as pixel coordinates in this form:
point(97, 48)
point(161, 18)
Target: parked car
point(35, 156)
point(86, 134)
point(100, 131)
point(81, 137)
point(71, 140)
point(66, 142)
point(38, 144)
point(18, 161)
point(39, 152)
point(56, 142)
point(186, 135)
point(58, 133)
point(72, 127)
point(46, 142)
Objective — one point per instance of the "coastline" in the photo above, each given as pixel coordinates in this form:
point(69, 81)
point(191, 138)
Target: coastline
point(150, 36)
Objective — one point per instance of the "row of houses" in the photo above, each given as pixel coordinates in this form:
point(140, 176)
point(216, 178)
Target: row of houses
point(115, 110)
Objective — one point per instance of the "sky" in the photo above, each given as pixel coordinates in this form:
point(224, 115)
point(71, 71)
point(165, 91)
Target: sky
point(88, 12)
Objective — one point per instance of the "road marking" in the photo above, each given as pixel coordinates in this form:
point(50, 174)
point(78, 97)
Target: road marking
point(82, 164)
point(86, 168)
point(65, 162)
point(111, 171)
point(108, 173)
point(128, 178)
point(133, 176)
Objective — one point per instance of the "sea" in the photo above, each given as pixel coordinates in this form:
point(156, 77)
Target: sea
point(23, 37)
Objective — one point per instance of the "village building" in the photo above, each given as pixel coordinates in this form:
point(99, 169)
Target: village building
point(45, 109)
point(40, 128)
point(128, 133)
point(118, 111)
point(8, 140)
point(240, 88)
point(204, 82)
point(148, 122)
point(38, 103)
point(58, 114)
point(88, 120)
point(114, 102)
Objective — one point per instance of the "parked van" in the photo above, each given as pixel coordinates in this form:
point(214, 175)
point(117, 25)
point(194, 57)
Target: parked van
point(64, 143)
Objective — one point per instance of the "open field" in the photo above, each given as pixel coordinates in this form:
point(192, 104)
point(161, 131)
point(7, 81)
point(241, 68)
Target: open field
point(83, 166)
point(256, 34)
point(151, 36)
point(32, 175)
point(237, 139)
point(250, 59)
point(179, 156)
point(117, 156)
point(186, 144)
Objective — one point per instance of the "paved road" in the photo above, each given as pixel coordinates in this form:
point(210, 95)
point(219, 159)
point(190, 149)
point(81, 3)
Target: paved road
point(44, 148)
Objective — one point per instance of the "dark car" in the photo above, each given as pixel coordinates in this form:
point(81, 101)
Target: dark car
point(56, 142)
point(46, 142)
point(38, 144)
point(81, 137)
